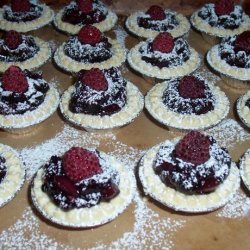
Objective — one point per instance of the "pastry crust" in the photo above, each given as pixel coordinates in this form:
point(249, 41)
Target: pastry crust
point(42, 56)
point(46, 17)
point(15, 176)
point(224, 68)
point(178, 201)
point(181, 29)
point(127, 114)
point(245, 169)
point(242, 110)
point(87, 217)
point(71, 65)
point(135, 61)
point(203, 26)
point(30, 118)
point(107, 24)
point(156, 107)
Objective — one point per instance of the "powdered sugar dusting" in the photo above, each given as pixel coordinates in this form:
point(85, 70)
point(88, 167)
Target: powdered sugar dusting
point(121, 35)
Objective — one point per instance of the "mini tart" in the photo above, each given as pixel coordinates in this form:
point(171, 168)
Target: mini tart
point(107, 24)
point(244, 169)
point(155, 106)
point(87, 217)
point(47, 15)
point(40, 57)
point(219, 31)
point(242, 109)
point(71, 65)
point(195, 203)
point(127, 114)
point(15, 175)
point(178, 30)
point(137, 63)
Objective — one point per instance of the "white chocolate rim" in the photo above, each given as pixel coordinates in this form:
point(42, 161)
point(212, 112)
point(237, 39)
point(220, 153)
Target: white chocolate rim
point(242, 110)
point(181, 29)
point(15, 176)
point(203, 26)
point(224, 68)
point(46, 17)
point(245, 169)
point(87, 217)
point(133, 107)
point(29, 118)
point(42, 56)
point(197, 203)
point(157, 109)
point(71, 65)
point(135, 61)
point(107, 24)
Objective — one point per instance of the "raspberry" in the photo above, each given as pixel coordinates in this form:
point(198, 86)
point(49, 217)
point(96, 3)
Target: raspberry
point(79, 164)
point(64, 184)
point(242, 41)
point(224, 7)
point(20, 5)
point(193, 148)
point(85, 6)
point(156, 12)
point(163, 42)
point(95, 79)
point(191, 87)
point(14, 80)
point(89, 35)
point(13, 39)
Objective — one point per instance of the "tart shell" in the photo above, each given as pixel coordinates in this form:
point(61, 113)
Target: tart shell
point(242, 110)
point(86, 217)
point(245, 169)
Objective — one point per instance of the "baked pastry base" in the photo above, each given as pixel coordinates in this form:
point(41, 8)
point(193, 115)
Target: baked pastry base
point(127, 114)
point(196, 203)
point(87, 217)
point(46, 17)
point(42, 56)
point(107, 24)
point(245, 169)
point(242, 110)
point(15, 175)
point(180, 30)
point(155, 106)
point(135, 61)
point(23, 123)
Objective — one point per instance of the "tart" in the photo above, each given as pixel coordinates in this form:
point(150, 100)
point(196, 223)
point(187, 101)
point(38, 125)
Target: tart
point(190, 102)
point(27, 52)
point(193, 174)
point(24, 16)
point(164, 57)
point(89, 49)
point(243, 108)
point(231, 58)
point(26, 99)
point(244, 169)
point(12, 174)
point(101, 99)
point(82, 188)
point(220, 19)
point(85, 12)
point(156, 20)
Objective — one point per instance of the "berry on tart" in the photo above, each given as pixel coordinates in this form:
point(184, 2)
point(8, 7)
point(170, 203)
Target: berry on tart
point(156, 12)
point(85, 6)
point(242, 42)
point(12, 39)
point(20, 5)
point(163, 42)
point(3, 168)
point(89, 35)
point(224, 7)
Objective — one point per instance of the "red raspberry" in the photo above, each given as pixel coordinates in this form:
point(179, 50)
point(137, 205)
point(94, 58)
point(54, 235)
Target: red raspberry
point(85, 6)
point(64, 184)
point(95, 79)
point(242, 41)
point(13, 39)
point(163, 42)
point(20, 5)
point(80, 163)
point(191, 87)
point(156, 12)
point(193, 148)
point(89, 35)
point(224, 7)
point(14, 80)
